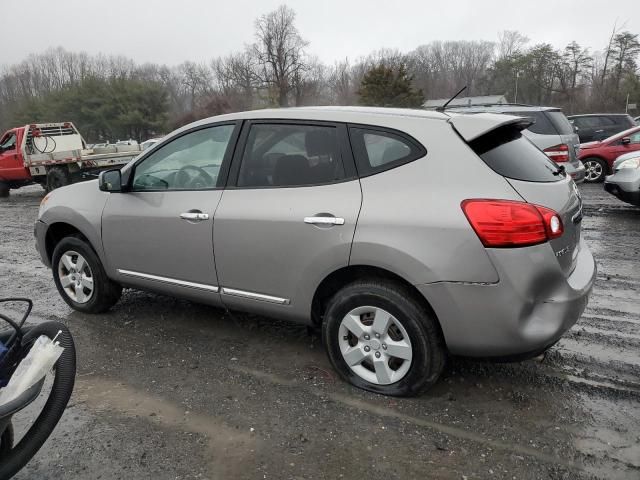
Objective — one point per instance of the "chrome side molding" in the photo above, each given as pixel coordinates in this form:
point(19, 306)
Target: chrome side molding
point(255, 296)
point(172, 281)
point(210, 288)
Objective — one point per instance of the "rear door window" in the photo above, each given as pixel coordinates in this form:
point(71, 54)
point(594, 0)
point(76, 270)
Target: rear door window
point(587, 122)
point(507, 152)
point(290, 155)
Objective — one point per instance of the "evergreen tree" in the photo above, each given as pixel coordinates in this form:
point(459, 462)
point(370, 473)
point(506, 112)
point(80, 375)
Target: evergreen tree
point(385, 86)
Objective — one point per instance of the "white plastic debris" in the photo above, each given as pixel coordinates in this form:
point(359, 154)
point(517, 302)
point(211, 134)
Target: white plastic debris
point(39, 361)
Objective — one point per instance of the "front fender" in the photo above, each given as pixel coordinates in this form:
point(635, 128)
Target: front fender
point(79, 206)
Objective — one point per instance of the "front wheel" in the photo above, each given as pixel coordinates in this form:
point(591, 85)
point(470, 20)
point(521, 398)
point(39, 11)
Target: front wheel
point(58, 177)
point(80, 277)
point(595, 170)
point(4, 190)
point(381, 339)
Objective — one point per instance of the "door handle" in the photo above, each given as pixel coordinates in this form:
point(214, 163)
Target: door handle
point(324, 220)
point(194, 216)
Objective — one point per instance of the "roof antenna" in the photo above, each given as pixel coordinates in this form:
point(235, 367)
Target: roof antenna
point(443, 107)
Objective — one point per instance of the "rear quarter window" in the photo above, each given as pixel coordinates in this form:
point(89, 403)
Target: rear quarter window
point(377, 149)
point(542, 125)
point(507, 152)
point(560, 122)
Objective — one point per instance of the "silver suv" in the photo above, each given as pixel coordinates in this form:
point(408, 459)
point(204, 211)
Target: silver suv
point(405, 235)
point(550, 131)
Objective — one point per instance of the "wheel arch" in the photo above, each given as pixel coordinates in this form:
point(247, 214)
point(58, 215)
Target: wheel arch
point(59, 230)
point(346, 275)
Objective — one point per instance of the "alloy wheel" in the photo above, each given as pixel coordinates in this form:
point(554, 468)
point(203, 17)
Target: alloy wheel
point(76, 277)
point(375, 345)
point(593, 170)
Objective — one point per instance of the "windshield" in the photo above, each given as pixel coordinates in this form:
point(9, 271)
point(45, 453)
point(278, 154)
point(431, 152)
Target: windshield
point(617, 136)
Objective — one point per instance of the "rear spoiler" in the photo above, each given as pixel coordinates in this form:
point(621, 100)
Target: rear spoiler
point(471, 126)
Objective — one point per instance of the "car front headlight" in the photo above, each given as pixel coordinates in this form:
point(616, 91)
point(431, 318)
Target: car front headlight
point(631, 163)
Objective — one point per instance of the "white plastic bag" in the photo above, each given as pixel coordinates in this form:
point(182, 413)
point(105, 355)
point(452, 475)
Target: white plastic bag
point(39, 361)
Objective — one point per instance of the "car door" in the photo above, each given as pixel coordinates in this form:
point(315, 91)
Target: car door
point(158, 235)
point(621, 148)
point(608, 126)
point(11, 165)
point(287, 218)
point(589, 129)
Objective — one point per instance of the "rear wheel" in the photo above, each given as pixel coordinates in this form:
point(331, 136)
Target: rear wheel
point(595, 170)
point(80, 277)
point(381, 339)
point(4, 190)
point(58, 177)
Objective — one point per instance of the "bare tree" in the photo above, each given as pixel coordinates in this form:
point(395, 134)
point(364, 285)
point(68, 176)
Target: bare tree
point(510, 43)
point(196, 80)
point(340, 84)
point(236, 78)
point(280, 51)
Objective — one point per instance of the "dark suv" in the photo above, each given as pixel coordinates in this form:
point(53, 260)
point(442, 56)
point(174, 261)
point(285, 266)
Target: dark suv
point(596, 127)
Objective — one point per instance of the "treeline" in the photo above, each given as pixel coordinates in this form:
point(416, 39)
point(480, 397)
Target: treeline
point(112, 98)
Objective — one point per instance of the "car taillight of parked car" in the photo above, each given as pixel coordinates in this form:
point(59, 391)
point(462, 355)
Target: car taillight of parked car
point(558, 153)
point(508, 223)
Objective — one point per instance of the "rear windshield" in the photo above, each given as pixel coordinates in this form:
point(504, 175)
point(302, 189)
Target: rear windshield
point(511, 155)
point(560, 122)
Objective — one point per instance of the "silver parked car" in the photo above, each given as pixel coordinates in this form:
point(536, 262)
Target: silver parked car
point(404, 234)
point(550, 131)
point(625, 181)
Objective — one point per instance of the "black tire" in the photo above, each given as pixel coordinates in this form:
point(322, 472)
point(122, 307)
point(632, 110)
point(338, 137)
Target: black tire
point(106, 293)
point(6, 441)
point(12, 461)
point(4, 190)
point(427, 343)
point(596, 165)
point(58, 177)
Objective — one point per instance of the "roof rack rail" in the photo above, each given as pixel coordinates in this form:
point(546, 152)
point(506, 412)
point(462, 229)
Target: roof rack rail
point(491, 105)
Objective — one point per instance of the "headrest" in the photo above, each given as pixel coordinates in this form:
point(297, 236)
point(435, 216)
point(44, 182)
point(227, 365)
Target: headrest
point(320, 141)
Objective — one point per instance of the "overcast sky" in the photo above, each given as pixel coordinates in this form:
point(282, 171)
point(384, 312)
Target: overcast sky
point(170, 32)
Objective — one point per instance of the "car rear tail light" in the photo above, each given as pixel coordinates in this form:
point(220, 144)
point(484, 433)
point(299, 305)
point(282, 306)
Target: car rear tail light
point(558, 153)
point(508, 223)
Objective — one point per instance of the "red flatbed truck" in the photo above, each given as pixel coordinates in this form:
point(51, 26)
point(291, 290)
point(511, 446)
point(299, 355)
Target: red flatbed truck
point(53, 155)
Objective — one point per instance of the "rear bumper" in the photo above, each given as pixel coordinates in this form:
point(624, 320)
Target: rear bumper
point(529, 308)
point(576, 172)
point(624, 184)
point(40, 232)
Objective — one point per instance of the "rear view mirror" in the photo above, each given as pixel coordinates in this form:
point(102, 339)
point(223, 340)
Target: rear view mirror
point(110, 181)
point(626, 140)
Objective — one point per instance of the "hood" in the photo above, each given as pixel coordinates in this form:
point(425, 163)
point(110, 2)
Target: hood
point(626, 156)
point(585, 146)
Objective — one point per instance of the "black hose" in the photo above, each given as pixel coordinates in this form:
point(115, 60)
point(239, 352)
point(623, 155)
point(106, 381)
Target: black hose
point(46, 145)
point(65, 371)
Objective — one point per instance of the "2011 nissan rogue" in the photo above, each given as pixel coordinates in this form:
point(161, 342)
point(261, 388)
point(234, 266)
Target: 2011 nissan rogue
point(404, 234)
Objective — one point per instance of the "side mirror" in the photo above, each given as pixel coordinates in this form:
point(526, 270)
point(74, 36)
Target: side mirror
point(110, 181)
point(625, 140)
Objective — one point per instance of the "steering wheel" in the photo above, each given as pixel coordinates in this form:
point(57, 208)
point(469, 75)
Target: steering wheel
point(202, 180)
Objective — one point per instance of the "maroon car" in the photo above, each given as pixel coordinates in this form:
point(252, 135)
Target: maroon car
point(598, 157)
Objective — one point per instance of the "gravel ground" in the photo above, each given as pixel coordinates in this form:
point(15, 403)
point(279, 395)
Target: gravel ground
point(168, 389)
